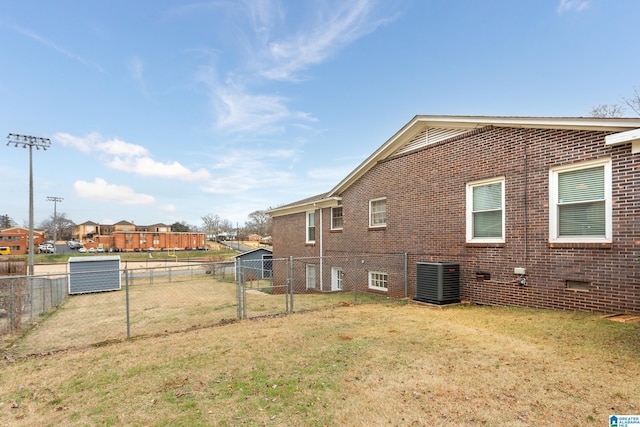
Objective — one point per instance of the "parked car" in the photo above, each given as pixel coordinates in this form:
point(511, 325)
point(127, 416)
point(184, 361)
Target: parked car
point(100, 250)
point(46, 248)
point(82, 250)
point(92, 250)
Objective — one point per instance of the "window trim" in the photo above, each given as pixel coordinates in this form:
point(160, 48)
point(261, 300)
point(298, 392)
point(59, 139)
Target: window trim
point(469, 211)
point(371, 201)
point(311, 277)
point(308, 226)
point(341, 217)
point(553, 206)
point(370, 279)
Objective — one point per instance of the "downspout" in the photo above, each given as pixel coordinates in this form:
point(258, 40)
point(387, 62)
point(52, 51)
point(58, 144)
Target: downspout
point(321, 253)
point(526, 206)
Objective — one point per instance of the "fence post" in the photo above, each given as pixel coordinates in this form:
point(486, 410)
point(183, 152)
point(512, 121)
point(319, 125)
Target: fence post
point(291, 284)
point(11, 305)
point(30, 300)
point(238, 290)
point(126, 290)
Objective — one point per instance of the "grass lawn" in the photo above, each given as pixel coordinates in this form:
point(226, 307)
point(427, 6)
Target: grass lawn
point(391, 364)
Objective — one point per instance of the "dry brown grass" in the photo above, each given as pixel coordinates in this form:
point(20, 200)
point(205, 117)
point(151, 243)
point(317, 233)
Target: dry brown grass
point(365, 365)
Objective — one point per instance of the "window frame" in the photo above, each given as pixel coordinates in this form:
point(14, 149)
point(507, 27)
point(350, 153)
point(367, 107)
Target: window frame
point(371, 280)
point(554, 172)
point(311, 276)
point(309, 226)
point(371, 202)
point(333, 226)
point(469, 211)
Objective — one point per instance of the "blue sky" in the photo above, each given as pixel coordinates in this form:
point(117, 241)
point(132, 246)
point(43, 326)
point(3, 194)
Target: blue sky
point(166, 110)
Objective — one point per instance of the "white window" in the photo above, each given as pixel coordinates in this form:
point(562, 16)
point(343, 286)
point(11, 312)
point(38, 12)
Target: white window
point(485, 211)
point(378, 280)
point(311, 227)
point(311, 276)
point(378, 212)
point(336, 218)
point(580, 202)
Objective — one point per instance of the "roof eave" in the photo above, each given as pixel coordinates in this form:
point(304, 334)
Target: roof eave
point(326, 202)
point(630, 136)
point(413, 127)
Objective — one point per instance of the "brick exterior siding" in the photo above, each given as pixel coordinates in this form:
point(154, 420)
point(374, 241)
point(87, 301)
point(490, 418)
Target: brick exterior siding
point(426, 197)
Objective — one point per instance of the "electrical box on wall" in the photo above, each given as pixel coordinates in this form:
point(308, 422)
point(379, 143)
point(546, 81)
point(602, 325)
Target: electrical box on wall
point(519, 270)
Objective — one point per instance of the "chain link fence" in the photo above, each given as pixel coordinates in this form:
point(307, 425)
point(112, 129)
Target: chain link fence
point(308, 283)
point(25, 298)
point(156, 300)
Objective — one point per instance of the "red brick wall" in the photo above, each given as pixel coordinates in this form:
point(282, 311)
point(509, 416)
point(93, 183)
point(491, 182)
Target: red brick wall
point(425, 193)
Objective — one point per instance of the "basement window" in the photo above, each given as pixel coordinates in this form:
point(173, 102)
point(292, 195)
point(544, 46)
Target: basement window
point(378, 280)
point(577, 285)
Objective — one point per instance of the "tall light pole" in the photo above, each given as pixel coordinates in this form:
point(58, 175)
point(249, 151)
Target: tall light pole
point(29, 141)
point(55, 201)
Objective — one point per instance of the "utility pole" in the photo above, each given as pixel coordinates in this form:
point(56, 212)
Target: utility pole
point(29, 141)
point(55, 201)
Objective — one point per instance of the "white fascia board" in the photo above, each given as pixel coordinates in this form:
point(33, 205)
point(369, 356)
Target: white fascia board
point(632, 136)
point(305, 207)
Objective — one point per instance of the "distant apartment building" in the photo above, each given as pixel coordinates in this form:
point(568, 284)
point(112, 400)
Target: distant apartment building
point(125, 236)
point(17, 239)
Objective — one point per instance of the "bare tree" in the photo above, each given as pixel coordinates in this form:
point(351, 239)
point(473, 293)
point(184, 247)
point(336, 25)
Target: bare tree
point(62, 225)
point(211, 225)
point(259, 223)
point(633, 102)
point(607, 111)
point(616, 110)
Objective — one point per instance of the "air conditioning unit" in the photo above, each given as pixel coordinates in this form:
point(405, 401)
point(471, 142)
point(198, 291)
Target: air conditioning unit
point(438, 282)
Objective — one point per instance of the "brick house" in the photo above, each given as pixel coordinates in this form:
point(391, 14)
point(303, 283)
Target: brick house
point(538, 212)
point(17, 239)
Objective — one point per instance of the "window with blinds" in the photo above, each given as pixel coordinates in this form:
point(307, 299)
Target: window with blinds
point(311, 227)
point(580, 202)
point(485, 211)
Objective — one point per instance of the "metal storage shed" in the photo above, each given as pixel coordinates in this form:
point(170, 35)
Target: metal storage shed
point(93, 274)
point(256, 264)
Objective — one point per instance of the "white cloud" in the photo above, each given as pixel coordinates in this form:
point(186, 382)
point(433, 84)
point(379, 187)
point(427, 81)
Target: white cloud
point(84, 144)
point(239, 171)
point(145, 166)
point(330, 26)
point(117, 147)
point(566, 6)
point(337, 25)
point(131, 158)
point(100, 190)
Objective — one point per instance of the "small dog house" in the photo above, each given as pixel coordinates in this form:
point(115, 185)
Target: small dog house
point(93, 274)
